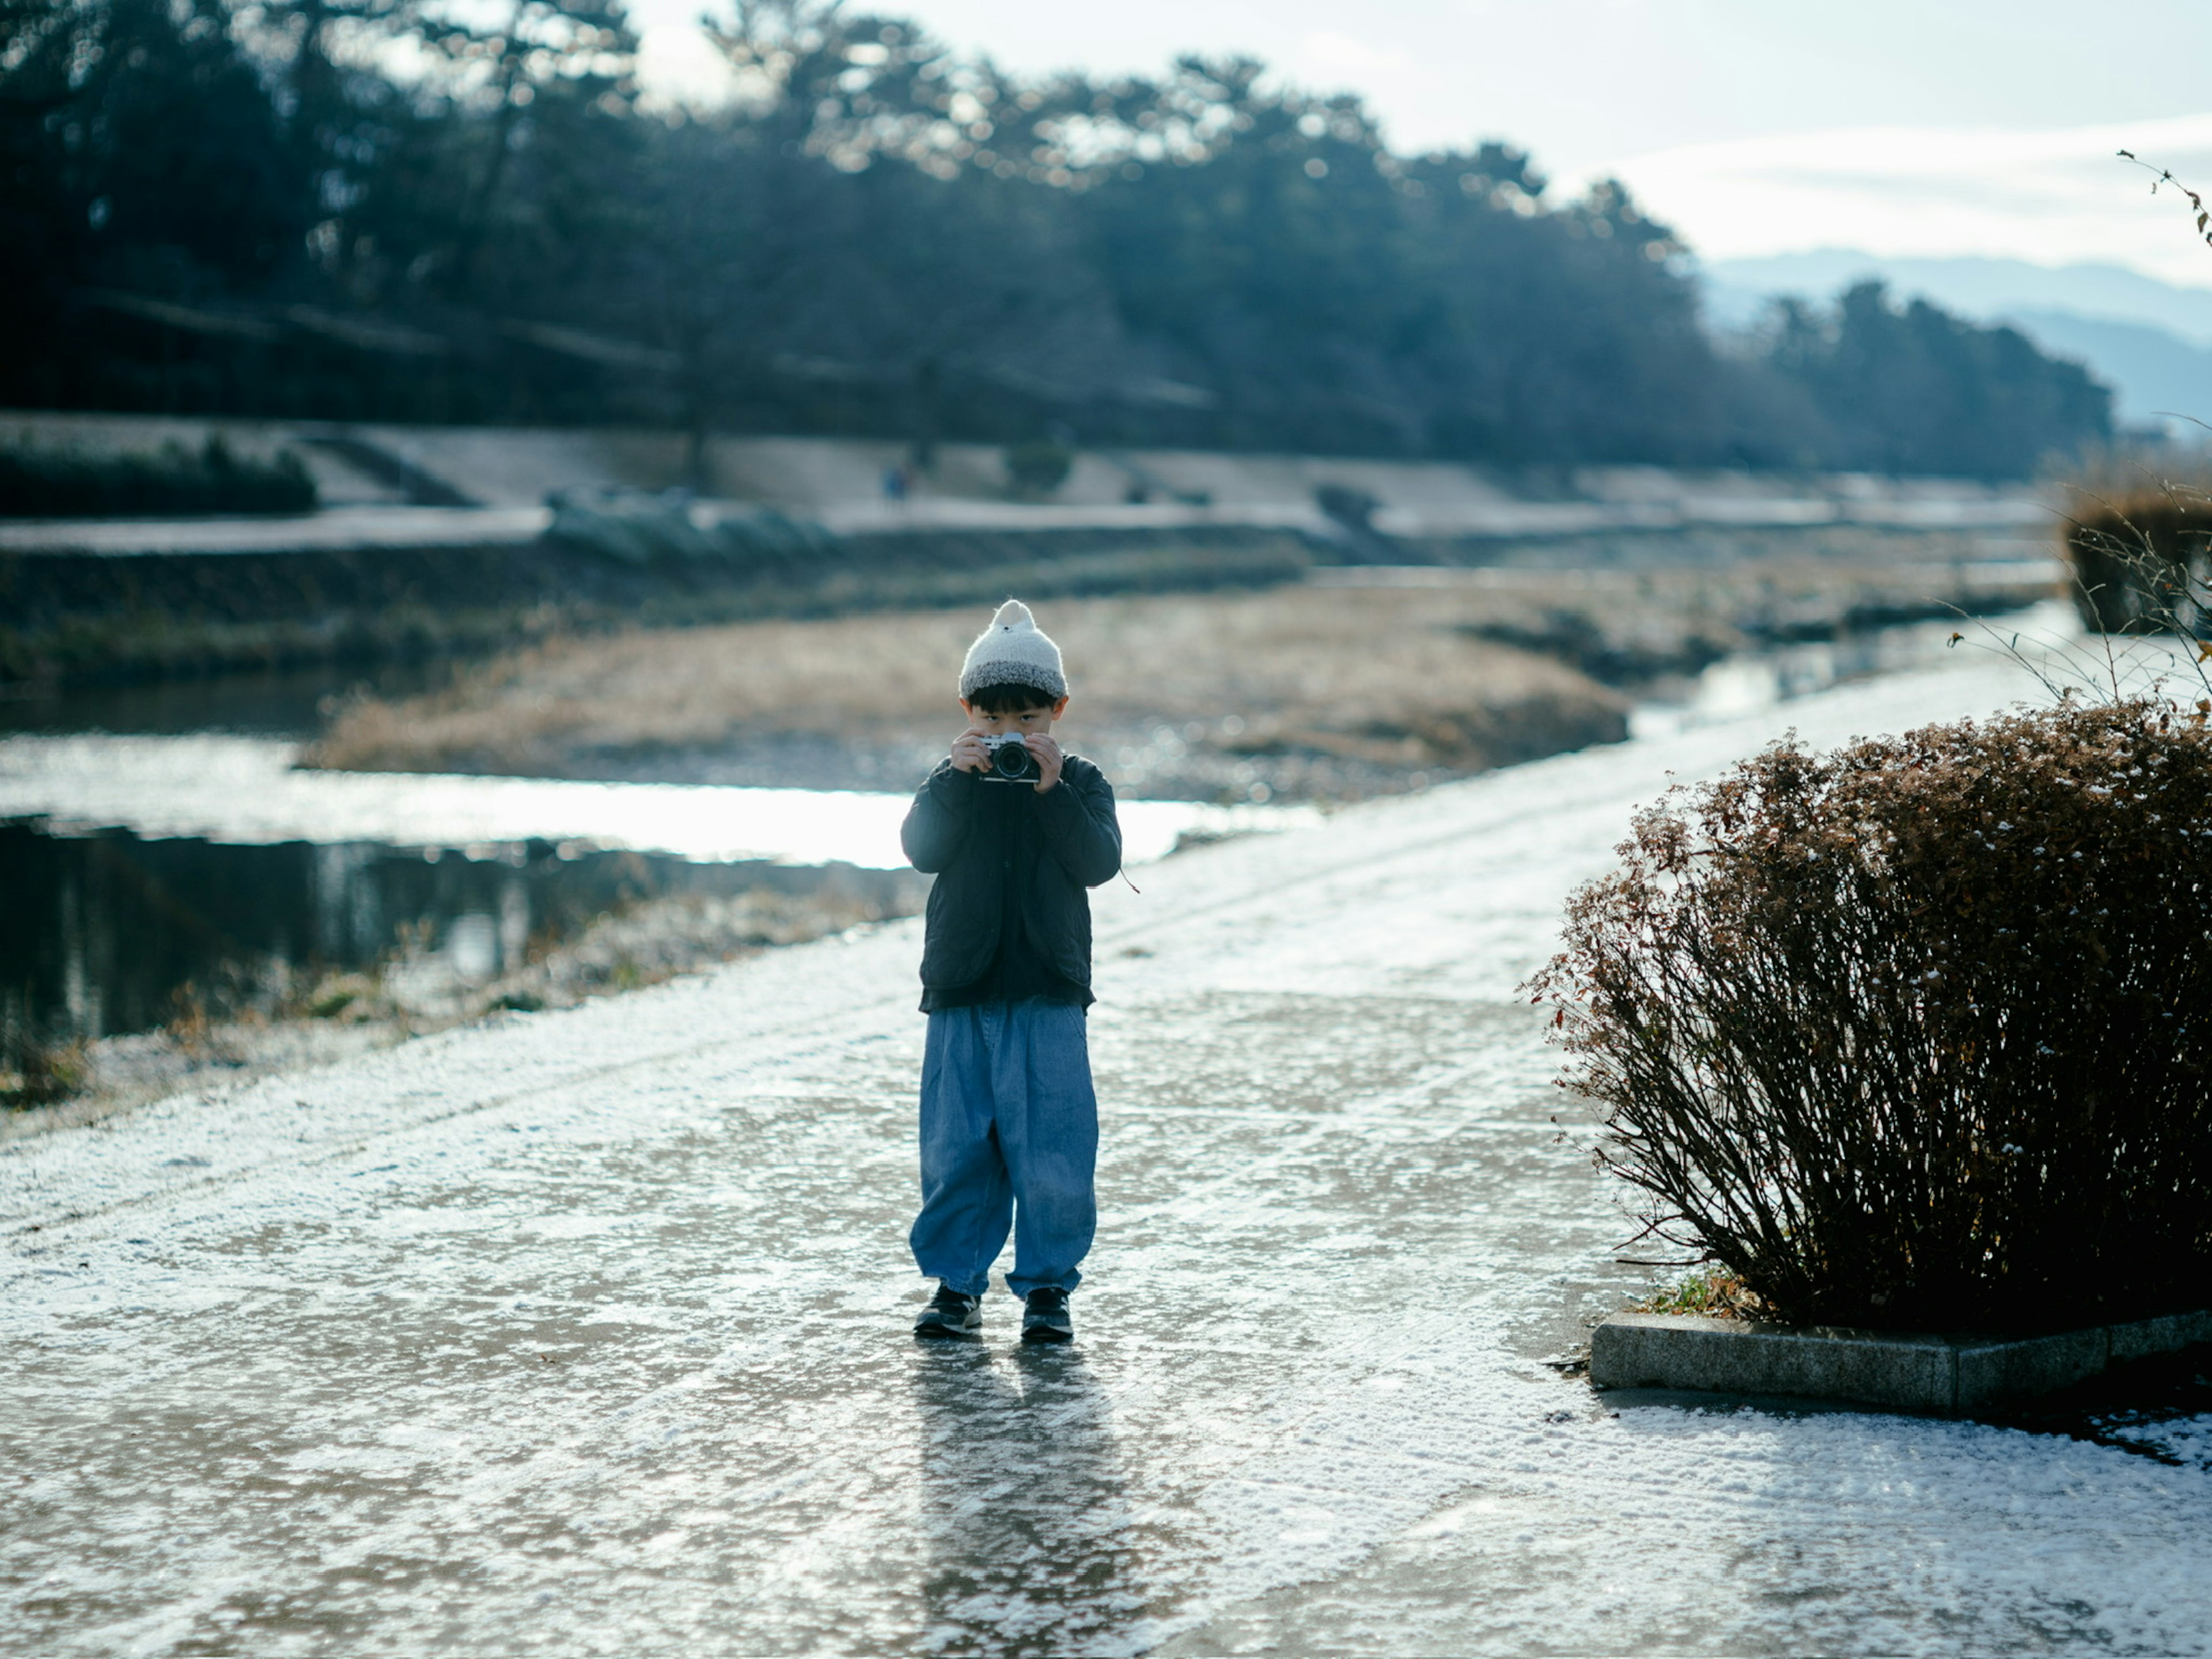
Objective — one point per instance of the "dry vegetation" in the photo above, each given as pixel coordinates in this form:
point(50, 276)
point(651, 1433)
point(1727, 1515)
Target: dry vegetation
point(1910, 1034)
point(2139, 545)
point(1198, 694)
point(1709, 1292)
point(1311, 691)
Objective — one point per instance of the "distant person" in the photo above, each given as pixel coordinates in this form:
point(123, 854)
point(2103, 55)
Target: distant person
point(897, 483)
point(1015, 829)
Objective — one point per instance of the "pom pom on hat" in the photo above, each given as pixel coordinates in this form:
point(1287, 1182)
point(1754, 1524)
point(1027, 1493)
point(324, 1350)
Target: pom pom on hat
point(1013, 651)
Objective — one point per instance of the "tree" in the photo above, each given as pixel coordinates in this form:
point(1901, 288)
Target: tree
point(1916, 389)
point(459, 213)
point(142, 153)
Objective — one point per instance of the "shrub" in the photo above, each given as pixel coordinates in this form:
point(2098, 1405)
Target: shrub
point(1038, 468)
point(1915, 1034)
point(1353, 508)
point(40, 1071)
point(2139, 561)
point(39, 481)
point(641, 530)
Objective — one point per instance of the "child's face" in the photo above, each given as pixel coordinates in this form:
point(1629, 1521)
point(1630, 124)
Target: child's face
point(1021, 722)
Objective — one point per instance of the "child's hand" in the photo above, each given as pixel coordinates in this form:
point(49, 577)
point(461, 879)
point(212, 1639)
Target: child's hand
point(1049, 759)
point(969, 754)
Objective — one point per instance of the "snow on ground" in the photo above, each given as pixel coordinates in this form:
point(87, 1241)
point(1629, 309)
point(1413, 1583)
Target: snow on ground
point(584, 1333)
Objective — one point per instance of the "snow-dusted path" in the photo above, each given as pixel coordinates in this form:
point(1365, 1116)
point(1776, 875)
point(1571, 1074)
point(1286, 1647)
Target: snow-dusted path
point(584, 1334)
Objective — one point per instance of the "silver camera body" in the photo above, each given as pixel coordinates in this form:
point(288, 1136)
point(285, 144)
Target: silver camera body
point(1010, 760)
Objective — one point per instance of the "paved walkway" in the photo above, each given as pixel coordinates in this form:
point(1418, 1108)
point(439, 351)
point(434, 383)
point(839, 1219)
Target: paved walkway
point(583, 1333)
point(366, 528)
point(339, 530)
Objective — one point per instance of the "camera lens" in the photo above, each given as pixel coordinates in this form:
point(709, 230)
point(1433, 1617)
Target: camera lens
point(1012, 760)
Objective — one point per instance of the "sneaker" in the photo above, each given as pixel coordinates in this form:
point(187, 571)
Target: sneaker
point(949, 1313)
point(1044, 1317)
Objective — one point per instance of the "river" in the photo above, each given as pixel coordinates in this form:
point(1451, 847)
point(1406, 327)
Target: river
point(152, 839)
point(137, 862)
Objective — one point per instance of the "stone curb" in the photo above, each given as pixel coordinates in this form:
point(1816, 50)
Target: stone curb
point(1943, 1376)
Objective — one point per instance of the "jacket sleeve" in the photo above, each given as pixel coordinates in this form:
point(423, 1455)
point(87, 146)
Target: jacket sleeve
point(1079, 825)
point(938, 821)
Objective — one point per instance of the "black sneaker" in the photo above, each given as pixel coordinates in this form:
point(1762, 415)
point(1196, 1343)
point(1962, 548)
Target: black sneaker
point(1044, 1317)
point(949, 1313)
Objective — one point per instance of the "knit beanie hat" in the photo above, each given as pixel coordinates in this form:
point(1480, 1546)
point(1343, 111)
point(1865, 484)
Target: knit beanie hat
point(1013, 651)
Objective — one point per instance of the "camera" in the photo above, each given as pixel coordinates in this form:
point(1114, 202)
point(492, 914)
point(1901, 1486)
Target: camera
point(1010, 762)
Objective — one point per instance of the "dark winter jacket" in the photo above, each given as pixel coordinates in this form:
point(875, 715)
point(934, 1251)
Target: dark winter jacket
point(964, 831)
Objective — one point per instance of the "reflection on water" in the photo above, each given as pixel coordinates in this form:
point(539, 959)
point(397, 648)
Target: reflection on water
point(131, 865)
point(1031, 1543)
point(98, 931)
point(1745, 684)
point(247, 789)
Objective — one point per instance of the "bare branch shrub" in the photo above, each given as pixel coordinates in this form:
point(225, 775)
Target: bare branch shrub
point(2141, 555)
point(1915, 1034)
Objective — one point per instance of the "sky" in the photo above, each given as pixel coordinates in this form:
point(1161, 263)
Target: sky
point(1907, 128)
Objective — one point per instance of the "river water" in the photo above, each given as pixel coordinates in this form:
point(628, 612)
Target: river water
point(132, 865)
point(152, 838)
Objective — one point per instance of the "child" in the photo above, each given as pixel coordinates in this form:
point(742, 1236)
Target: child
point(1009, 1124)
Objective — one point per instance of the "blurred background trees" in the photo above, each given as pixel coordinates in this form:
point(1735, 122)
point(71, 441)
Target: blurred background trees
point(403, 209)
point(1915, 389)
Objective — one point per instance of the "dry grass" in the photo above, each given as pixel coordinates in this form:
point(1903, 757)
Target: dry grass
point(1389, 675)
point(1713, 1293)
point(1308, 690)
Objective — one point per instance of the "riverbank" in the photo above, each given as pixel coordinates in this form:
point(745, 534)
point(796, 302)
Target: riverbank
point(450, 542)
point(1297, 692)
point(1361, 681)
point(182, 910)
point(376, 585)
point(189, 911)
point(256, 1015)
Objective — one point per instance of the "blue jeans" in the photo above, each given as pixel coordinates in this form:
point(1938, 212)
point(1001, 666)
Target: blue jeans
point(1009, 1138)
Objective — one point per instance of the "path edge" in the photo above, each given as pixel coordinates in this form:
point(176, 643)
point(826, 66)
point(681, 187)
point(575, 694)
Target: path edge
point(1936, 1375)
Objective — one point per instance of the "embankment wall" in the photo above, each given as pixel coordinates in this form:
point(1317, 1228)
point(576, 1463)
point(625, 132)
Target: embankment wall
point(73, 616)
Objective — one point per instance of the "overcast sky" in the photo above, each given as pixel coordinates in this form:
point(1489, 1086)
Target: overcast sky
point(1754, 126)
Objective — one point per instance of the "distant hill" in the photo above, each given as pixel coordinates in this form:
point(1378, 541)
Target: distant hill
point(2150, 341)
point(2155, 374)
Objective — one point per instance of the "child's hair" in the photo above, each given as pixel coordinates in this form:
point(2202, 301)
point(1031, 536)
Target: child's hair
point(1009, 698)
